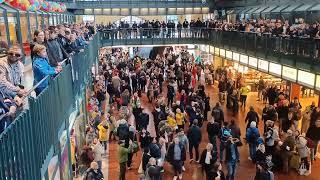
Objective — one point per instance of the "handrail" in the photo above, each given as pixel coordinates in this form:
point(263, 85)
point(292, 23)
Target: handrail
point(35, 86)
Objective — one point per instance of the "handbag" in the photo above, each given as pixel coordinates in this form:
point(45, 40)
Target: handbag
point(295, 162)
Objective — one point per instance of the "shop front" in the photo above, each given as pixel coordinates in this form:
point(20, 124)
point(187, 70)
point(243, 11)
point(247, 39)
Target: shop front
point(293, 82)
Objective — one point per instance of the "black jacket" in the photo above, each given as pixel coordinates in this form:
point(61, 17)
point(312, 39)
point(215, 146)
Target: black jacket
point(213, 129)
point(252, 116)
point(194, 135)
point(92, 175)
point(170, 153)
point(155, 150)
point(55, 52)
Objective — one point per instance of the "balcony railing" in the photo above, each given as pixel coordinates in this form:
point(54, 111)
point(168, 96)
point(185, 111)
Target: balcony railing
point(26, 142)
point(275, 48)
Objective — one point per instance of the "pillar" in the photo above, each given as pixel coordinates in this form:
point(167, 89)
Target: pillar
point(294, 91)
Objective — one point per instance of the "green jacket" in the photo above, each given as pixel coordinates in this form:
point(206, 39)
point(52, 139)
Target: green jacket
point(123, 154)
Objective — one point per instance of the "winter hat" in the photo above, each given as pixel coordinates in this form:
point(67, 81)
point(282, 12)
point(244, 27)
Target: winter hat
point(253, 124)
point(260, 140)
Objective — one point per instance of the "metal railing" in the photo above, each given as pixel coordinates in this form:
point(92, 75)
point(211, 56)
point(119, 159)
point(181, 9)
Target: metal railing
point(26, 142)
point(247, 42)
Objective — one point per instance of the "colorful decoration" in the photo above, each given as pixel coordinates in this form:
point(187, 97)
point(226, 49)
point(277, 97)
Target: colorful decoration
point(34, 5)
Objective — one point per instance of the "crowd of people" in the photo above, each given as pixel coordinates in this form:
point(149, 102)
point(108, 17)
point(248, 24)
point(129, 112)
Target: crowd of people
point(174, 84)
point(49, 49)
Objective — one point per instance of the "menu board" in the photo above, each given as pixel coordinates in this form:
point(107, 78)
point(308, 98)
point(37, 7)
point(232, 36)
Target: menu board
point(253, 62)
point(275, 69)
point(222, 53)
point(263, 65)
point(235, 56)
point(229, 54)
point(306, 78)
point(216, 51)
point(318, 82)
point(289, 73)
point(244, 59)
point(211, 48)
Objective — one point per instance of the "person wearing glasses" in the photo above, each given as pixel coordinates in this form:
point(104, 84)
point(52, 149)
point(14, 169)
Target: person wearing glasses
point(41, 68)
point(11, 72)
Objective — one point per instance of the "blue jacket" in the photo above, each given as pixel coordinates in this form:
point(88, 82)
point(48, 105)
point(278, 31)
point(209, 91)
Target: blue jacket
point(41, 69)
point(252, 135)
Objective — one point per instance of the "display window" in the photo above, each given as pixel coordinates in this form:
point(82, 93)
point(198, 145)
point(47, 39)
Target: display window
point(40, 20)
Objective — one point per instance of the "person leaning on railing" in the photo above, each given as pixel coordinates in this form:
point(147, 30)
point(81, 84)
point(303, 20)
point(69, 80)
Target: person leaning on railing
point(11, 72)
point(8, 109)
point(42, 69)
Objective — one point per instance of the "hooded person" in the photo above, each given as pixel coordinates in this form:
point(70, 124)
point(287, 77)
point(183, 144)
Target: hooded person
point(252, 136)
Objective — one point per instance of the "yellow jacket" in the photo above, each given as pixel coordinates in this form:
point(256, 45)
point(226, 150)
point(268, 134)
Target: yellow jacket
point(244, 90)
point(103, 132)
point(179, 118)
point(171, 121)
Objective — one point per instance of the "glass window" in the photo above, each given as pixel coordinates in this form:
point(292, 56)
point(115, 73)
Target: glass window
point(50, 19)
point(40, 20)
point(33, 23)
point(3, 32)
point(12, 22)
point(46, 20)
point(24, 26)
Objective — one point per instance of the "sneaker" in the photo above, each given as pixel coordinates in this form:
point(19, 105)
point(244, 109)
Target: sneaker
point(129, 168)
point(183, 168)
point(307, 173)
point(162, 171)
point(198, 161)
point(180, 176)
point(249, 158)
point(191, 160)
point(175, 177)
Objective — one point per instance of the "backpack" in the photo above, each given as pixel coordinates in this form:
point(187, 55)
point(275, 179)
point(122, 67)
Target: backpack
point(252, 137)
point(225, 134)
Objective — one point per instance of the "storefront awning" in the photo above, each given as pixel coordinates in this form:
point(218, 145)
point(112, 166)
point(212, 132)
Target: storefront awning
point(252, 10)
point(315, 8)
point(269, 9)
point(9, 8)
point(304, 7)
point(258, 11)
point(291, 8)
point(279, 9)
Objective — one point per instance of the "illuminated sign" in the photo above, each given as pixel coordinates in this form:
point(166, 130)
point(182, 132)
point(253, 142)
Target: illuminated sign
point(289, 73)
point(222, 53)
point(275, 69)
point(253, 62)
point(216, 51)
point(306, 78)
point(263, 65)
point(235, 56)
point(244, 59)
point(229, 54)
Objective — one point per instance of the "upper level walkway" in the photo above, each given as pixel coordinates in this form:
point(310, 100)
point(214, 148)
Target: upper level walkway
point(298, 52)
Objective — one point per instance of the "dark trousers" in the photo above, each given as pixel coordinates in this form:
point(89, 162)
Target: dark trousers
point(213, 141)
point(243, 99)
point(129, 162)
point(177, 167)
point(196, 147)
point(123, 168)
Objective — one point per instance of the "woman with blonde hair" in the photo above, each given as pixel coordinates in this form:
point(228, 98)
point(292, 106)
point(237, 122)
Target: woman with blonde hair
point(41, 68)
